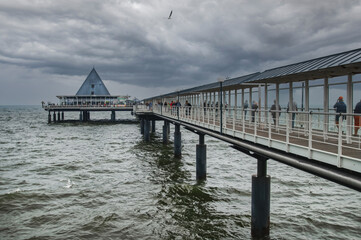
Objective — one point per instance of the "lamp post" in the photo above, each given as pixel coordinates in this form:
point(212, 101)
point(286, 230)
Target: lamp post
point(220, 80)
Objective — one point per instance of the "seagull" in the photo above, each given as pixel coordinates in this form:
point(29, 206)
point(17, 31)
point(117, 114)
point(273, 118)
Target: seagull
point(170, 15)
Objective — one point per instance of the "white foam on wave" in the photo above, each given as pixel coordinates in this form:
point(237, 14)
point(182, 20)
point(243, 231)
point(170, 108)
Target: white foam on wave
point(69, 184)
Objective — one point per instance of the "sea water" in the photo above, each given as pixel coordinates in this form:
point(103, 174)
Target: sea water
point(102, 181)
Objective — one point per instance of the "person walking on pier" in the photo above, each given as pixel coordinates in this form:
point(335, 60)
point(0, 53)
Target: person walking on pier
point(245, 106)
point(294, 108)
point(178, 105)
point(340, 107)
point(274, 113)
point(357, 118)
point(171, 107)
point(188, 108)
point(254, 109)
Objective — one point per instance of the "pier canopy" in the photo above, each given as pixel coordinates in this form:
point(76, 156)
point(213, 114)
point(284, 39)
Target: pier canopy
point(332, 66)
point(93, 92)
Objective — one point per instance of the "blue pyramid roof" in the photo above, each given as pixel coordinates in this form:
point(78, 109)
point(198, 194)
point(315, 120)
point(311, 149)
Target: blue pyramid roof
point(93, 85)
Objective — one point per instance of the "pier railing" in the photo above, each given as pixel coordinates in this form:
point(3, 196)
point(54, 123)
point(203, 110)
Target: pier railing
point(83, 106)
point(313, 134)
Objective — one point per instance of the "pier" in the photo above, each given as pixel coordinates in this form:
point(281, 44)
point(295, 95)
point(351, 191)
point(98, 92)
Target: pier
point(246, 112)
point(92, 96)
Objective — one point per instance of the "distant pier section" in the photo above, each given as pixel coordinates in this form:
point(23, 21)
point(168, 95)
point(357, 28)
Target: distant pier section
point(91, 96)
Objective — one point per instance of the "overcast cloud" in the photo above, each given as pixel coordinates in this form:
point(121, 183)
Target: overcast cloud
point(47, 48)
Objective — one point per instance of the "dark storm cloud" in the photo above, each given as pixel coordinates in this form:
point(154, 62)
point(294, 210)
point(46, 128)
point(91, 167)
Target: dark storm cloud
point(134, 43)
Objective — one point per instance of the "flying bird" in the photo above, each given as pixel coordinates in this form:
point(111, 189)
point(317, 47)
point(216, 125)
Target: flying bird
point(170, 15)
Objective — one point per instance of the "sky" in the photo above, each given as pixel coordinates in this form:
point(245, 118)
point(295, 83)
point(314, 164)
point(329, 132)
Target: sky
point(48, 47)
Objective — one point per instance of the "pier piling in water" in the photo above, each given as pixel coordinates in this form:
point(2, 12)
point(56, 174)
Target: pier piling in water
point(201, 159)
point(147, 130)
point(49, 117)
point(177, 141)
point(261, 197)
point(54, 117)
point(112, 116)
point(62, 116)
point(165, 133)
point(153, 126)
point(142, 121)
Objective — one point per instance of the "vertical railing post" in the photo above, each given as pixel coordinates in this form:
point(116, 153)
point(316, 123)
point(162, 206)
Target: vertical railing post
point(349, 109)
point(288, 117)
point(309, 123)
point(234, 120)
point(243, 124)
point(269, 129)
point(339, 144)
point(307, 105)
point(255, 124)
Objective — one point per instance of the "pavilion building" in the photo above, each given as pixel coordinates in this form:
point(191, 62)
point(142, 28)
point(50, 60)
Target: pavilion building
point(92, 96)
point(92, 92)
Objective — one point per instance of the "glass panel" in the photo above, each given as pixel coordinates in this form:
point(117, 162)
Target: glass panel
point(297, 84)
point(340, 79)
point(316, 82)
point(356, 78)
point(284, 97)
point(356, 94)
point(271, 86)
point(271, 97)
point(316, 98)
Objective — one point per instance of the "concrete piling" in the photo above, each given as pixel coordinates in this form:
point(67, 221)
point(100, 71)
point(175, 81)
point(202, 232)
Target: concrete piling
point(54, 116)
point(142, 123)
point(201, 159)
point(62, 116)
point(165, 133)
point(261, 197)
point(147, 131)
point(80, 116)
point(153, 126)
point(59, 116)
point(112, 116)
point(49, 117)
point(177, 141)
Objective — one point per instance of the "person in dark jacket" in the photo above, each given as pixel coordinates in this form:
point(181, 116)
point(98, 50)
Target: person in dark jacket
point(254, 108)
point(188, 108)
point(245, 106)
point(357, 110)
point(274, 114)
point(294, 108)
point(340, 107)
